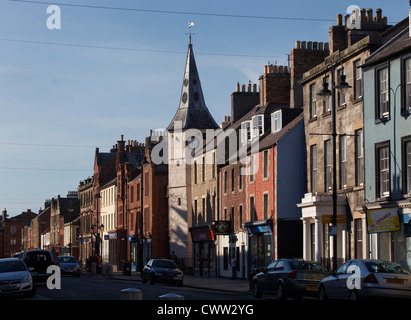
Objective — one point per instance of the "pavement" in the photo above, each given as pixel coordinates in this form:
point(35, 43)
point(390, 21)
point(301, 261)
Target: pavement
point(210, 283)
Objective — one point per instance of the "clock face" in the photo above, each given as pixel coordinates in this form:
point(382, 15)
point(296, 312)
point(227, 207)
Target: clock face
point(193, 142)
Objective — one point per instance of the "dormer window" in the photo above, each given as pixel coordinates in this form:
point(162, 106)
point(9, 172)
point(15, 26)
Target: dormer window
point(258, 125)
point(276, 123)
point(245, 131)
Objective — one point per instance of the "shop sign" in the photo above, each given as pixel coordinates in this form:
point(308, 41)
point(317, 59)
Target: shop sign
point(383, 220)
point(203, 235)
point(222, 227)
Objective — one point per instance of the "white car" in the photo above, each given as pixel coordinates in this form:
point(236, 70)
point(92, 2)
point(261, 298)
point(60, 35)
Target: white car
point(357, 279)
point(15, 278)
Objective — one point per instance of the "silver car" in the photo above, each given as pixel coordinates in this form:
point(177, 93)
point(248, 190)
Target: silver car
point(15, 278)
point(357, 279)
point(69, 265)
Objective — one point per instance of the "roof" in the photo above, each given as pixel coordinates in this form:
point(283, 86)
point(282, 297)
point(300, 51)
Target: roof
point(273, 137)
point(192, 112)
point(399, 44)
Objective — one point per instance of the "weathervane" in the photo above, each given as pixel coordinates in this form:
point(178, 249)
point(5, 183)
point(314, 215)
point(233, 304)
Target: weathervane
point(191, 24)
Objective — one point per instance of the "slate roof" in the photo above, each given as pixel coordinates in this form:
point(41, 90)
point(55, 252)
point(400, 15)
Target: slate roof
point(192, 111)
point(399, 44)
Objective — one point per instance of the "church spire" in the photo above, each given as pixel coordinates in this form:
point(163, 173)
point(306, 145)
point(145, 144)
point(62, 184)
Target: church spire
point(192, 111)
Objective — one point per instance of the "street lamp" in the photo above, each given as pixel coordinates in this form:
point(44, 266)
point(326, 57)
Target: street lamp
point(324, 93)
point(96, 234)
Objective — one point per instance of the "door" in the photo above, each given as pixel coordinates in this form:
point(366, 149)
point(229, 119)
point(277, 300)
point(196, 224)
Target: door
point(337, 287)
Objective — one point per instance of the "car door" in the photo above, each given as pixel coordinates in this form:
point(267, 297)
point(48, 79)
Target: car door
point(277, 274)
point(267, 282)
point(337, 286)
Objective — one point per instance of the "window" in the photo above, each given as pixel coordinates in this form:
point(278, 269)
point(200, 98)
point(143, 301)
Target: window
point(195, 172)
point(265, 203)
point(203, 211)
point(252, 168)
point(240, 179)
point(240, 215)
point(407, 85)
point(276, 123)
point(407, 165)
point(225, 181)
point(313, 167)
point(232, 179)
point(258, 125)
point(265, 164)
point(343, 161)
point(383, 170)
point(326, 101)
point(340, 95)
point(359, 157)
point(203, 170)
point(252, 209)
point(358, 238)
point(357, 79)
point(313, 107)
point(382, 93)
point(327, 165)
point(245, 131)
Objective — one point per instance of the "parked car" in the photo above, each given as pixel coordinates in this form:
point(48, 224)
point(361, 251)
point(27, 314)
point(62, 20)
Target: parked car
point(162, 270)
point(69, 265)
point(289, 277)
point(15, 278)
point(38, 260)
point(366, 278)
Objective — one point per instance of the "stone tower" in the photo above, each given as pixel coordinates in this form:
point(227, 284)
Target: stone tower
point(185, 134)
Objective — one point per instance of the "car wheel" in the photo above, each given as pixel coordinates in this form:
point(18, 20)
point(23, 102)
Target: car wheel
point(322, 295)
point(281, 294)
point(256, 290)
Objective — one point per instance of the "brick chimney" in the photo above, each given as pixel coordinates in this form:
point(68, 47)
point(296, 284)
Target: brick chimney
point(275, 84)
point(243, 101)
point(304, 57)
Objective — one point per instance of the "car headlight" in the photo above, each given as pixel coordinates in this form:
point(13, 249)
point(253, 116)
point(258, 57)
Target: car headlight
point(26, 278)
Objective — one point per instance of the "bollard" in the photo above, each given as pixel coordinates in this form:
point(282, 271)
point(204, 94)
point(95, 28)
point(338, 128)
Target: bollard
point(171, 296)
point(110, 271)
point(131, 294)
point(93, 268)
point(103, 270)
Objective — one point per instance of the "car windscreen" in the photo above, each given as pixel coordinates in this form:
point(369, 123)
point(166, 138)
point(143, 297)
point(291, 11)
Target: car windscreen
point(385, 267)
point(63, 259)
point(306, 265)
point(11, 266)
point(164, 264)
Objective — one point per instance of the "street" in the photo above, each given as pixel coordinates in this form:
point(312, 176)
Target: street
point(88, 287)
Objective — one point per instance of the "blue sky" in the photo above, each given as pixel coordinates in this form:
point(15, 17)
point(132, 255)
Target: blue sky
point(109, 72)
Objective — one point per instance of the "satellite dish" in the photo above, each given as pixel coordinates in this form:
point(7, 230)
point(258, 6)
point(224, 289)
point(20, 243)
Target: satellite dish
point(190, 24)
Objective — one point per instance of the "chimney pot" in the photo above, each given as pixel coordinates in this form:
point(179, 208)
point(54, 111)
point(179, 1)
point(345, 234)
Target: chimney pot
point(237, 87)
point(297, 44)
point(339, 19)
point(369, 15)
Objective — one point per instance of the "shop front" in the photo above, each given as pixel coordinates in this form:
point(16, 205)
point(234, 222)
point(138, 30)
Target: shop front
point(260, 245)
point(204, 251)
point(389, 227)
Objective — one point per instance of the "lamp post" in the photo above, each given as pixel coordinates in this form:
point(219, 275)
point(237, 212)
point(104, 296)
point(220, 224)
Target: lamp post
point(342, 86)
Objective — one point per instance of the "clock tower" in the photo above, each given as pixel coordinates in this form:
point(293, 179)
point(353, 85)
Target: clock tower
point(191, 118)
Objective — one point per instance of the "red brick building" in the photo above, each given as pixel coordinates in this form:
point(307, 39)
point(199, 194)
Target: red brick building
point(12, 228)
point(147, 189)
